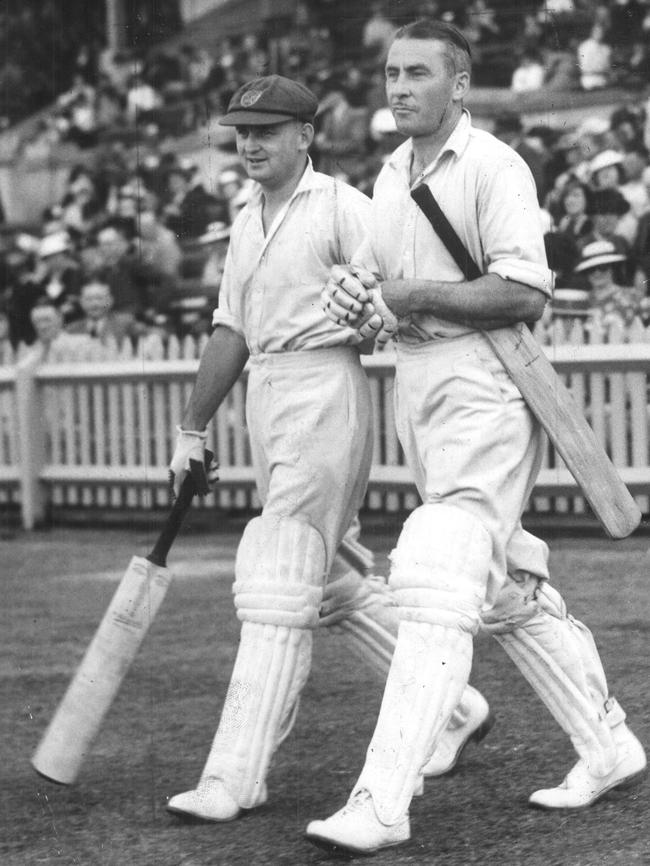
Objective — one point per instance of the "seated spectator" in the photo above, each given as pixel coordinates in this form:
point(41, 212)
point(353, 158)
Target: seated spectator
point(340, 142)
point(57, 275)
point(608, 173)
point(529, 73)
point(626, 124)
point(609, 300)
point(377, 34)
point(635, 162)
point(561, 72)
point(82, 206)
point(532, 149)
point(606, 170)
point(230, 182)
point(141, 100)
point(138, 288)
point(53, 345)
point(157, 245)
point(641, 245)
point(216, 240)
point(594, 57)
point(100, 321)
point(6, 346)
point(189, 208)
point(608, 206)
point(574, 219)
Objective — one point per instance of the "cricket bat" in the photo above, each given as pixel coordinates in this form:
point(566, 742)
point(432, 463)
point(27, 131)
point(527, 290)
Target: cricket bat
point(547, 397)
point(78, 718)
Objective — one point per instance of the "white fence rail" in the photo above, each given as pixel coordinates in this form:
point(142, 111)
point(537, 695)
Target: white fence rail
point(99, 435)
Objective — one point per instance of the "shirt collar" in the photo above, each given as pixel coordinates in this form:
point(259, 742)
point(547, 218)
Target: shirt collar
point(310, 179)
point(455, 144)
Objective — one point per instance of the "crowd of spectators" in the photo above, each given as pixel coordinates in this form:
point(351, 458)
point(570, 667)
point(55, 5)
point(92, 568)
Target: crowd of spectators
point(136, 244)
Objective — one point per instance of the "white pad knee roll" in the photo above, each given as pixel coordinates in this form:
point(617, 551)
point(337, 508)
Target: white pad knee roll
point(440, 567)
point(280, 570)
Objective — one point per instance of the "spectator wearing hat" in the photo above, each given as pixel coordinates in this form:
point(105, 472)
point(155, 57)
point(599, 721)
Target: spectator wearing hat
point(608, 206)
point(609, 301)
point(607, 170)
point(608, 173)
point(58, 275)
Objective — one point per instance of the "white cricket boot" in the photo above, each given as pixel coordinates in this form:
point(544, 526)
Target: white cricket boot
point(471, 722)
point(357, 829)
point(582, 786)
point(210, 801)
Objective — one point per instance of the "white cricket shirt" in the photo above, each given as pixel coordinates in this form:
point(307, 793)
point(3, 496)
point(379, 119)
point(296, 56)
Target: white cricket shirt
point(488, 194)
point(270, 291)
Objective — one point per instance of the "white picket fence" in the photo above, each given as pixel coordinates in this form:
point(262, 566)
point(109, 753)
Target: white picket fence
point(99, 435)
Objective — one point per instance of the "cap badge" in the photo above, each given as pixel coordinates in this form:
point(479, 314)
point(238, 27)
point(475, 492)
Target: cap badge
point(250, 98)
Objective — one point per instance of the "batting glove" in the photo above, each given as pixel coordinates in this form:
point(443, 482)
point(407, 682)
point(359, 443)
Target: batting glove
point(380, 323)
point(190, 446)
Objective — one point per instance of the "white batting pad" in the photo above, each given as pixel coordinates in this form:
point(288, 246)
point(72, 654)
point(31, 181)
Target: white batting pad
point(439, 576)
point(440, 567)
point(545, 652)
point(429, 671)
point(279, 569)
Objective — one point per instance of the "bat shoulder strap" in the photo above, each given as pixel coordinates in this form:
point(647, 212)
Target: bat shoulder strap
point(427, 203)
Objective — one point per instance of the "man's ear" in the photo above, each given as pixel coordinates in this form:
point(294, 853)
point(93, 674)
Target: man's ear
point(461, 86)
point(306, 136)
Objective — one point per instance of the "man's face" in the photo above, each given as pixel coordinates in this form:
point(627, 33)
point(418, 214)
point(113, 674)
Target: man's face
point(96, 300)
point(420, 86)
point(47, 323)
point(112, 245)
point(272, 154)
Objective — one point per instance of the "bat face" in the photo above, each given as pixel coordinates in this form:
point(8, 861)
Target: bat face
point(97, 680)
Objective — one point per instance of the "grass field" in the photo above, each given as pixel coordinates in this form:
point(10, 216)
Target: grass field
point(56, 586)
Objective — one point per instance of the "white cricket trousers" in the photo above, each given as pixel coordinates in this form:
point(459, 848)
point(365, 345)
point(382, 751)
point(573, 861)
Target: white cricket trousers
point(471, 441)
point(309, 418)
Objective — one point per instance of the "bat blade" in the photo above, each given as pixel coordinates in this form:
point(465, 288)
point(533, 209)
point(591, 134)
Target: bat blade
point(574, 440)
point(78, 718)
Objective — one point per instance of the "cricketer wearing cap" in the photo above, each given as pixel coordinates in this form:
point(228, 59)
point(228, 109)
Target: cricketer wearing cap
point(308, 413)
point(462, 560)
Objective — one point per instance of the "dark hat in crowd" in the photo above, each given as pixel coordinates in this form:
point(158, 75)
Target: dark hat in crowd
point(268, 100)
point(597, 255)
point(609, 201)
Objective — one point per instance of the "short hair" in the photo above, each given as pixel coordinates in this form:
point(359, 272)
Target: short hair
point(458, 51)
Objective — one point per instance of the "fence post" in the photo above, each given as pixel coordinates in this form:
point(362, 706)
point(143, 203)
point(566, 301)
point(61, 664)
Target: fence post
point(30, 444)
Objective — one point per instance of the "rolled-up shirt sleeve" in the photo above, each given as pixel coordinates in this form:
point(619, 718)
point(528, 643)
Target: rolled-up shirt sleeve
point(510, 219)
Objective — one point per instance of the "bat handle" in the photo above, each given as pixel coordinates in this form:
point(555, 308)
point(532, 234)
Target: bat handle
point(161, 548)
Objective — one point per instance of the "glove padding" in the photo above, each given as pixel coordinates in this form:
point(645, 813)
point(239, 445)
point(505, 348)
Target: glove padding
point(189, 456)
point(352, 297)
